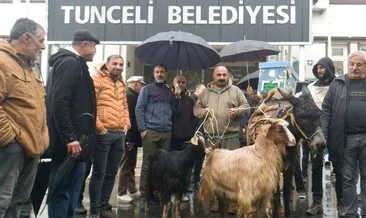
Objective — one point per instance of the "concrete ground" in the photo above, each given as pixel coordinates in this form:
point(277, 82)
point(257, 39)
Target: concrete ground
point(299, 206)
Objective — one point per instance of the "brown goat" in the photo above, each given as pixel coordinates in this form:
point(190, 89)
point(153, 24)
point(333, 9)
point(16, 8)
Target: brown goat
point(249, 175)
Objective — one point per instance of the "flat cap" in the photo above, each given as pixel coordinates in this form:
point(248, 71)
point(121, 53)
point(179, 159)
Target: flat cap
point(136, 79)
point(84, 35)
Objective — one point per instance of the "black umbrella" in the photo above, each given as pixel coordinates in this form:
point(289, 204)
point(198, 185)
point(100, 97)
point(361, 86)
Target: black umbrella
point(178, 50)
point(250, 79)
point(87, 128)
point(247, 50)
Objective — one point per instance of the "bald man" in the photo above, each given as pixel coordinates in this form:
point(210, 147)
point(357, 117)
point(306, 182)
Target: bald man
point(228, 104)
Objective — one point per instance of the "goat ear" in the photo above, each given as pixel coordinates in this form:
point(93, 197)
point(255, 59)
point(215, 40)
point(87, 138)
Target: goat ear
point(292, 99)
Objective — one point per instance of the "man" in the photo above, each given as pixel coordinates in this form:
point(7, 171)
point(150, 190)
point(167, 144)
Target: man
point(23, 128)
point(323, 70)
point(113, 121)
point(184, 121)
point(154, 111)
point(127, 188)
point(344, 126)
point(228, 104)
point(70, 93)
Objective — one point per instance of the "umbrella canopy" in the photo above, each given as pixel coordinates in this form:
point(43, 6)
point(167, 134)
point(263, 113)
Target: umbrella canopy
point(251, 79)
point(178, 50)
point(247, 50)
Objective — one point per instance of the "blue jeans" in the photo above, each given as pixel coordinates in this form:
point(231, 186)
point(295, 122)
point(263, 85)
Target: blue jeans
point(107, 155)
point(17, 174)
point(66, 196)
point(354, 159)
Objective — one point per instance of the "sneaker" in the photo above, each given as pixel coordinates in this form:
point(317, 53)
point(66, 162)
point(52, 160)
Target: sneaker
point(134, 195)
point(301, 194)
point(341, 209)
point(316, 208)
point(80, 210)
point(124, 199)
point(108, 214)
point(185, 198)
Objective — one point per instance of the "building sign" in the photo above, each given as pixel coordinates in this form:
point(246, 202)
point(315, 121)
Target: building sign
point(132, 21)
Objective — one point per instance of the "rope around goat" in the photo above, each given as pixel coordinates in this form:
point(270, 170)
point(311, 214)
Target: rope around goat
point(212, 119)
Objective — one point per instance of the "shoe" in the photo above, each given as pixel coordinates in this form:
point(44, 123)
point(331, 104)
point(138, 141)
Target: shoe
point(108, 214)
point(134, 195)
point(185, 198)
point(124, 199)
point(80, 210)
point(316, 208)
point(341, 209)
point(301, 194)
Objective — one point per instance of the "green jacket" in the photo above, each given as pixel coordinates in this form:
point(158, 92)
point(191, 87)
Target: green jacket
point(221, 101)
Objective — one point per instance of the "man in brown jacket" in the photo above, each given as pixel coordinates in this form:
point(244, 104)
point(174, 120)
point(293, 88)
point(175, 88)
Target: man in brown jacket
point(113, 121)
point(23, 129)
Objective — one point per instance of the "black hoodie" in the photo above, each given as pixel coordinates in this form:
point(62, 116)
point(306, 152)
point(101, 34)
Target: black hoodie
point(327, 63)
point(70, 93)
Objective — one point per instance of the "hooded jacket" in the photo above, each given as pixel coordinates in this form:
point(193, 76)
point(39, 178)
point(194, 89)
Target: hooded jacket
point(70, 93)
point(230, 97)
point(112, 109)
point(319, 87)
point(22, 104)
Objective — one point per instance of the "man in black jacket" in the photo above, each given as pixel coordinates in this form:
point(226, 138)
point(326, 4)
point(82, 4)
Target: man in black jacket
point(70, 93)
point(323, 70)
point(126, 187)
point(344, 126)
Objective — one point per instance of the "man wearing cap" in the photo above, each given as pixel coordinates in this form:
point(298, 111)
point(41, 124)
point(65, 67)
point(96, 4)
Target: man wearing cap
point(70, 93)
point(127, 188)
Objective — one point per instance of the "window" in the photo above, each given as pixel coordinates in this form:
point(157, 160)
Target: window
point(339, 56)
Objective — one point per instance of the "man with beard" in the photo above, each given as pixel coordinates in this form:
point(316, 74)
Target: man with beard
point(344, 126)
point(23, 128)
point(228, 105)
point(113, 121)
point(70, 93)
point(323, 70)
point(154, 110)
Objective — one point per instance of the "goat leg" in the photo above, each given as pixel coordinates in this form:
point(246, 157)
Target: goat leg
point(165, 211)
point(146, 208)
point(177, 208)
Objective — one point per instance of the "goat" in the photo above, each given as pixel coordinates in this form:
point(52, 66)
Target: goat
point(249, 175)
point(168, 173)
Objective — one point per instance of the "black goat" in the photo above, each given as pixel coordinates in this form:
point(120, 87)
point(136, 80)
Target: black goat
point(169, 174)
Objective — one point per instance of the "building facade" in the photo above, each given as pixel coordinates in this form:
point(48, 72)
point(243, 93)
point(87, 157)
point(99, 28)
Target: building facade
point(336, 30)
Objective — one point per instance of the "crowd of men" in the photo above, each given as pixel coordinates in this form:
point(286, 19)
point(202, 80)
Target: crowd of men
point(34, 119)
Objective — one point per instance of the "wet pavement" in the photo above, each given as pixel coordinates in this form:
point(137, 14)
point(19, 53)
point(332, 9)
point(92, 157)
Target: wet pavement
point(298, 206)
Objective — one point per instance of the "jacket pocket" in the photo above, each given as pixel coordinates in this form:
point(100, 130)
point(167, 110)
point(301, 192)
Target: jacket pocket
point(21, 88)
